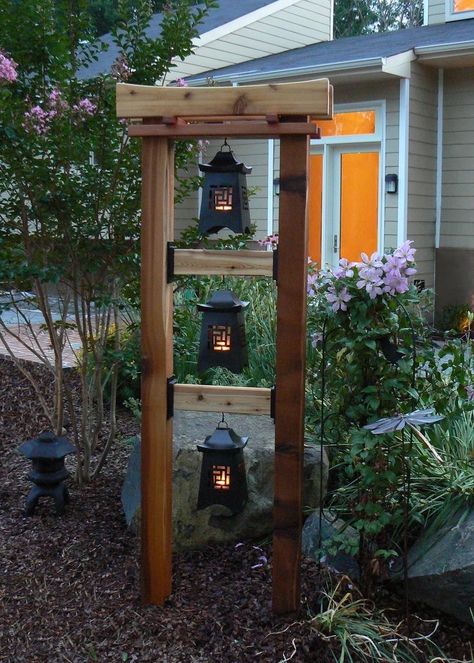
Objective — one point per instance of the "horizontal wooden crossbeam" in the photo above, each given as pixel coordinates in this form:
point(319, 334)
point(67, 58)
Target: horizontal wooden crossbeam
point(306, 98)
point(212, 398)
point(243, 129)
point(202, 262)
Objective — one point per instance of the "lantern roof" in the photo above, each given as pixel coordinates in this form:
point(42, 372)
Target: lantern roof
point(47, 445)
point(225, 162)
point(223, 439)
point(223, 300)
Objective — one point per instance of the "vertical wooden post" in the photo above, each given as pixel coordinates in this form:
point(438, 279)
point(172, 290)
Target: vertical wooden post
point(157, 353)
point(290, 374)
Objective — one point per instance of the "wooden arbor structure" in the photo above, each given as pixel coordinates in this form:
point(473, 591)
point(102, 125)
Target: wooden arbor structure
point(261, 111)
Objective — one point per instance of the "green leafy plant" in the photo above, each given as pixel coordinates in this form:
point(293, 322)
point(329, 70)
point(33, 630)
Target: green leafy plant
point(70, 183)
point(357, 631)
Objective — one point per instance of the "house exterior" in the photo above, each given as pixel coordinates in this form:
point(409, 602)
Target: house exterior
point(404, 112)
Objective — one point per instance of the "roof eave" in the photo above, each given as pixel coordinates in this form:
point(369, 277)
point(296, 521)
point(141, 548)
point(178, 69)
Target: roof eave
point(389, 66)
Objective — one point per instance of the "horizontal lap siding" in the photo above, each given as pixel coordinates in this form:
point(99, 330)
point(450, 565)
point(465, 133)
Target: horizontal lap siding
point(422, 168)
point(457, 217)
point(304, 22)
point(436, 11)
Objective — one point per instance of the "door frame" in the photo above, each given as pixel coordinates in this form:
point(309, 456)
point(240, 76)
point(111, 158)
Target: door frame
point(331, 147)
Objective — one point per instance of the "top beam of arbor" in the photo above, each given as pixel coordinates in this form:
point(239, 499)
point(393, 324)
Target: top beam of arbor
point(312, 98)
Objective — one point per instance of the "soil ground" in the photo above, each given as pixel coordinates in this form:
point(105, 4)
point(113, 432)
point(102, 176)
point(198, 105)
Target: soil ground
point(70, 587)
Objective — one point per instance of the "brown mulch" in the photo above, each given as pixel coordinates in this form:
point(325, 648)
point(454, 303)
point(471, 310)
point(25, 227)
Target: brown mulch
point(69, 586)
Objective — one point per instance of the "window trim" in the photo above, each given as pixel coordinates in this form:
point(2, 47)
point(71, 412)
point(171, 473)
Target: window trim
point(452, 15)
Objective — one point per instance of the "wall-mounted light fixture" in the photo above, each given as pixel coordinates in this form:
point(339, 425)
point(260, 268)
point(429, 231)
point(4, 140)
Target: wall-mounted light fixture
point(276, 186)
point(391, 183)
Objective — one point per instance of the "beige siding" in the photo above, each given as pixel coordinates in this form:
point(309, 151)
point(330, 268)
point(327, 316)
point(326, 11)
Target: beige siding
point(457, 217)
point(303, 22)
point(422, 168)
point(436, 11)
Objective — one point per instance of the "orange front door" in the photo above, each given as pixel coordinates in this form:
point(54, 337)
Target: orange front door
point(351, 205)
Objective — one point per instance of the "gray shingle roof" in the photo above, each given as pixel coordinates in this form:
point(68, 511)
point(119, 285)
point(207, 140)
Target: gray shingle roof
point(227, 11)
point(349, 49)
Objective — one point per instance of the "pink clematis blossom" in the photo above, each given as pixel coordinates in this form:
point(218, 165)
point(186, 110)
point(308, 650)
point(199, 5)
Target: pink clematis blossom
point(405, 251)
point(374, 261)
point(344, 269)
point(395, 283)
point(338, 300)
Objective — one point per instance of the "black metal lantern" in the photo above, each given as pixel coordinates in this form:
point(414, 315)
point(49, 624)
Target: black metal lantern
point(223, 341)
point(224, 195)
point(223, 479)
point(47, 453)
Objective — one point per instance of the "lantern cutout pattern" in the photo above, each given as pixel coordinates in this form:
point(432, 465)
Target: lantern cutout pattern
point(223, 478)
point(224, 194)
point(223, 341)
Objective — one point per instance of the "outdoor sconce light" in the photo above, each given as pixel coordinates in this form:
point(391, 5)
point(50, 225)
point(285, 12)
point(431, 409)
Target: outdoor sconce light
point(47, 453)
point(224, 196)
point(223, 479)
point(391, 183)
point(276, 186)
point(223, 341)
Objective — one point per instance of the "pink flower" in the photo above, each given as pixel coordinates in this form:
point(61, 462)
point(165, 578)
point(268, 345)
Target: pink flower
point(271, 241)
point(312, 285)
point(405, 251)
point(395, 283)
point(338, 300)
point(56, 103)
point(37, 120)
point(120, 70)
point(373, 261)
point(344, 269)
point(8, 68)
point(180, 82)
point(370, 280)
point(85, 107)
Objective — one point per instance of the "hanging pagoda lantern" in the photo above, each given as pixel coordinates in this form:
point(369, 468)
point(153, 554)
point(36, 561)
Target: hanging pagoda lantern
point(223, 340)
point(224, 194)
point(223, 479)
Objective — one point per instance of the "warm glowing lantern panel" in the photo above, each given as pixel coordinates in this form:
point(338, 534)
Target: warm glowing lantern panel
point(223, 479)
point(223, 340)
point(224, 195)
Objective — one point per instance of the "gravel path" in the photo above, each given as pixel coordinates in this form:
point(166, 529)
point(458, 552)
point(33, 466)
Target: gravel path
point(69, 586)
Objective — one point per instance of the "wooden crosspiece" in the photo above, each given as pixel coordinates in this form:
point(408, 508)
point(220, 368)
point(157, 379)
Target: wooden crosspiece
point(260, 111)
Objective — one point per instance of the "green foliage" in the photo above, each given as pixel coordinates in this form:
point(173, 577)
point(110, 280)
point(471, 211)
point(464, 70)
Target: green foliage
point(456, 317)
point(367, 16)
point(364, 326)
point(358, 632)
point(443, 472)
point(70, 178)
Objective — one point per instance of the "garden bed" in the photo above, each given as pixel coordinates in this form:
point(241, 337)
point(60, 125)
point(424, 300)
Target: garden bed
point(70, 591)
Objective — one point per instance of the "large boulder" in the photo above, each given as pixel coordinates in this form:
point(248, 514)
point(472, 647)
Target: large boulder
point(441, 568)
point(193, 528)
point(341, 561)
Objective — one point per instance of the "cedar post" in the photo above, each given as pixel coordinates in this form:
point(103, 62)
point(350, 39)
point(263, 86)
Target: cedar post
point(290, 374)
point(157, 353)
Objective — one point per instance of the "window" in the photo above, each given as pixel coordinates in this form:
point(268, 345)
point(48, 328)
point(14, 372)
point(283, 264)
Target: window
point(459, 9)
point(349, 124)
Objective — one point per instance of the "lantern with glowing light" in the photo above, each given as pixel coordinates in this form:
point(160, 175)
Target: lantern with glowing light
point(223, 340)
point(223, 479)
point(224, 194)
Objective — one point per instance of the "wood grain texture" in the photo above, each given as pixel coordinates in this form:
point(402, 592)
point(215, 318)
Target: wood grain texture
point(242, 129)
point(239, 263)
point(290, 374)
point(308, 98)
point(157, 354)
point(213, 398)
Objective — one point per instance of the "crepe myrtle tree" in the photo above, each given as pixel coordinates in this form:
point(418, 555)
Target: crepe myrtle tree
point(70, 192)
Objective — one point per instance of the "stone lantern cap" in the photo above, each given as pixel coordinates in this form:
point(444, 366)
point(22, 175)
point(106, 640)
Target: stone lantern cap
point(48, 446)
